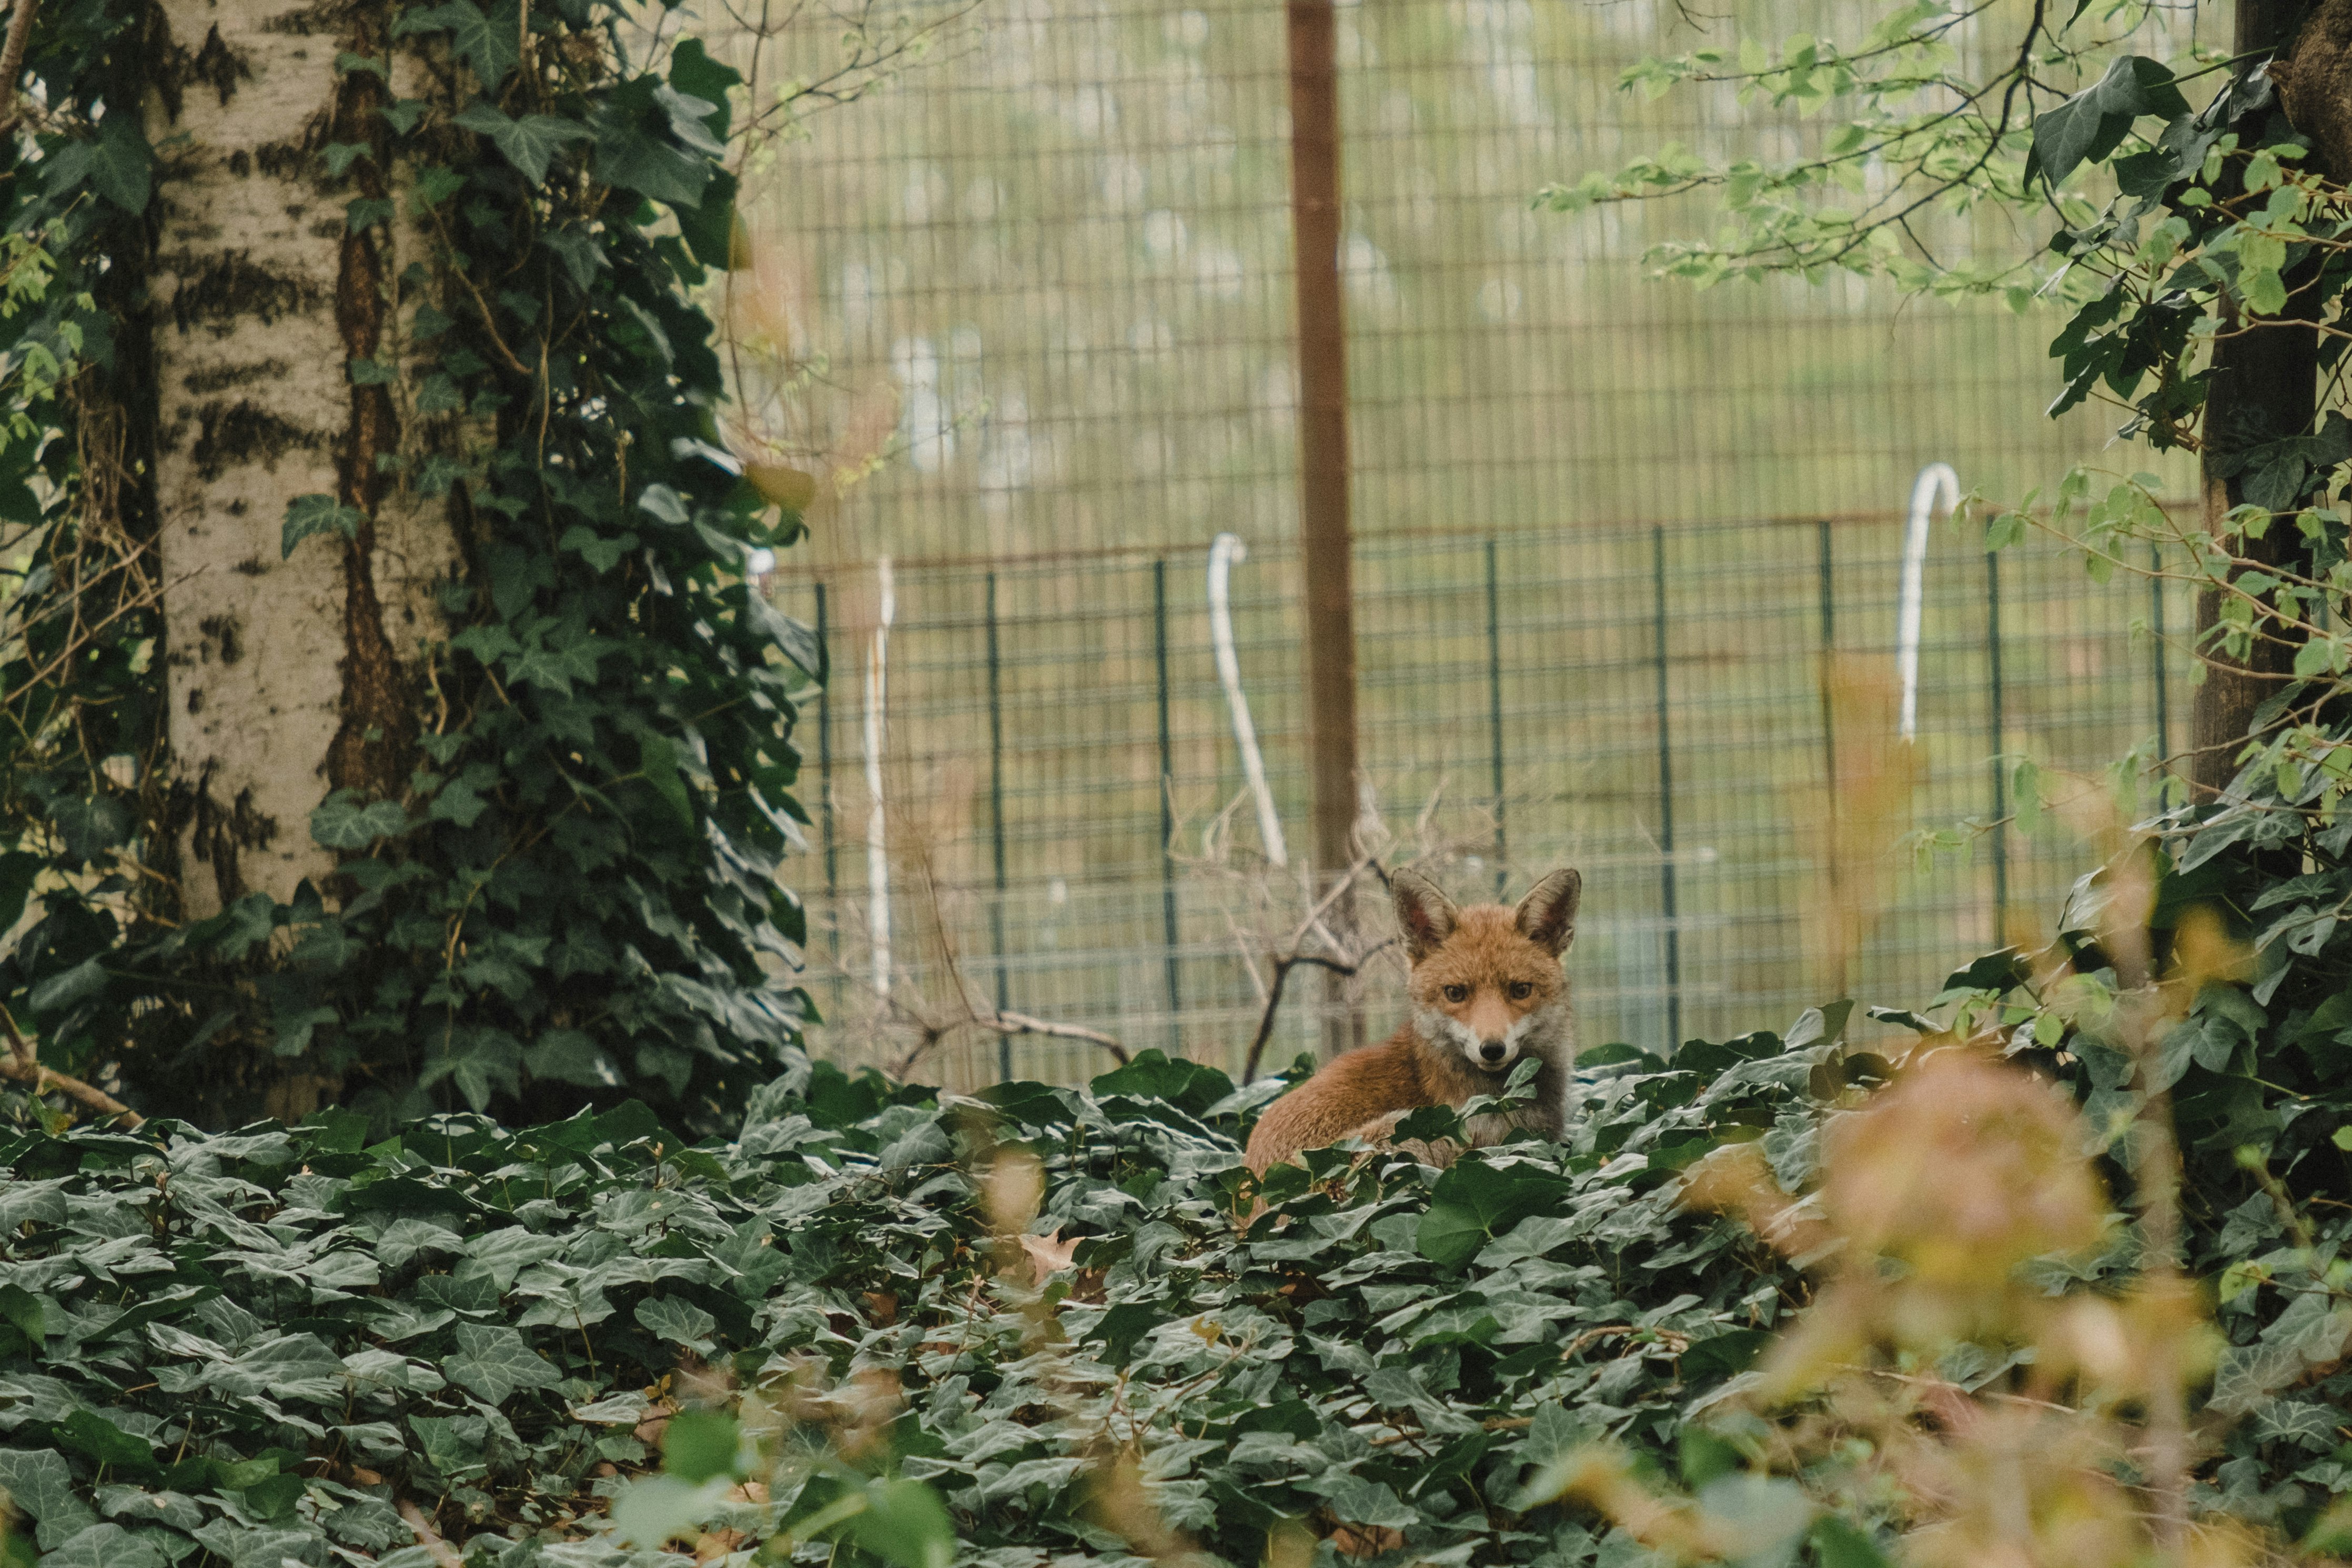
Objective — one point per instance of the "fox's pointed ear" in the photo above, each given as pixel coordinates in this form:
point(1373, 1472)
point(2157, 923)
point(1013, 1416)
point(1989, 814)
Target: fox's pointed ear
point(1547, 915)
point(1425, 915)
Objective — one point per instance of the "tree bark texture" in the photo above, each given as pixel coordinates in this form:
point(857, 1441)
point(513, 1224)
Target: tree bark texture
point(286, 677)
point(2262, 386)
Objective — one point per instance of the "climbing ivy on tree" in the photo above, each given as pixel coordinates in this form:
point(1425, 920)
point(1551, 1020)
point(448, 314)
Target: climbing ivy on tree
point(555, 856)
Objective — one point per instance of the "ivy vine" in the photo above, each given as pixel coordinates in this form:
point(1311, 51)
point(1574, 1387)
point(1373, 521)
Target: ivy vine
point(564, 885)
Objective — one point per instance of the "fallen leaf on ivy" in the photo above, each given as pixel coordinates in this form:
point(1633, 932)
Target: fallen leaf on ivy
point(1048, 1254)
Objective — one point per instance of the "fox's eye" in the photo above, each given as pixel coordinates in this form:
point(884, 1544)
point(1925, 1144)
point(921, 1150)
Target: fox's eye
point(1521, 990)
point(1457, 993)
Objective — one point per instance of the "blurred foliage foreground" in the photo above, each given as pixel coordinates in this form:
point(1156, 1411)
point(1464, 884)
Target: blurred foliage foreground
point(1781, 1300)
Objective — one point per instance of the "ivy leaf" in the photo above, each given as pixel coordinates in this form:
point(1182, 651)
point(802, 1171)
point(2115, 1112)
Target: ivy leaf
point(577, 249)
point(529, 144)
point(595, 548)
point(105, 1546)
point(488, 44)
point(796, 638)
point(403, 116)
point(308, 515)
point(22, 1311)
point(341, 156)
point(694, 74)
point(680, 1322)
point(87, 1432)
point(630, 159)
point(342, 822)
point(657, 760)
point(2090, 125)
point(568, 1056)
point(494, 1362)
point(434, 187)
point(687, 121)
point(1474, 1202)
point(61, 992)
point(39, 1483)
point(117, 162)
point(710, 228)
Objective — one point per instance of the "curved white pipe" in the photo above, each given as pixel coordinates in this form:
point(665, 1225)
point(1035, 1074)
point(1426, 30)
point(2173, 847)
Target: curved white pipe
point(1222, 554)
point(1934, 477)
point(877, 849)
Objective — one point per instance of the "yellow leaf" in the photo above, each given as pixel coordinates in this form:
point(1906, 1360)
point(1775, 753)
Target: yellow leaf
point(790, 488)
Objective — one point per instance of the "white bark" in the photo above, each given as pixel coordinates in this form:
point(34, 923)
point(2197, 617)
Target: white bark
point(254, 401)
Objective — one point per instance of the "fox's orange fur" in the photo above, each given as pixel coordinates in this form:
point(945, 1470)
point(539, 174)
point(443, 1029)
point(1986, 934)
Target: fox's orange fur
point(1487, 989)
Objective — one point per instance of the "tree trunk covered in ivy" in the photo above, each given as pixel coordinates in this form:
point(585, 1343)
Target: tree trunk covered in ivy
point(391, 721)
point(284, 676)
point(2261, 388)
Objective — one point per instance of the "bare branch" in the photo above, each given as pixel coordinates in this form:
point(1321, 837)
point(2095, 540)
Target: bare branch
point(12, 57)
point(22, 1065)
point(1282, 965)
point(1021, 1023)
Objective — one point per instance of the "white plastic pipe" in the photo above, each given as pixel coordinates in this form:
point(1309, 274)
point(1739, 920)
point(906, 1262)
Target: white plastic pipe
point(1935, 477)
point(1227, 550)
point(878, 847)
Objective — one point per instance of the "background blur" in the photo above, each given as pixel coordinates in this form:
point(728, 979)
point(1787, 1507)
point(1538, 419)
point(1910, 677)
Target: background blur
point(1612, 534)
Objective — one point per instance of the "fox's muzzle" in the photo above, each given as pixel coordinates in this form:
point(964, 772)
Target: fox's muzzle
point(1493, 1053)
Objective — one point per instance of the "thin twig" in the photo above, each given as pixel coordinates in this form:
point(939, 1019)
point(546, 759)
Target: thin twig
point(25, 1067)
point(1494, 1424)
point(1344, 967)
point(440, 1551)
point(1021, 1023)
point(1005, 1023)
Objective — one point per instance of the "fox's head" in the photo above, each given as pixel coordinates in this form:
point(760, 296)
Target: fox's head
point(1487, 979)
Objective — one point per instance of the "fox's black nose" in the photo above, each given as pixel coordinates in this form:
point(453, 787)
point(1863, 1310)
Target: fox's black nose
point(1492, 1050)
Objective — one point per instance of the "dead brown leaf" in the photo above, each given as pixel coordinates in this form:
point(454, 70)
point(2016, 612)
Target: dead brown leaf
point(1366, 1540)
point(1049, 1254)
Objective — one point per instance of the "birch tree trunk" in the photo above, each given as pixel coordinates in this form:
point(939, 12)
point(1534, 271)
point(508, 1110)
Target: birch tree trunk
point(289, 672)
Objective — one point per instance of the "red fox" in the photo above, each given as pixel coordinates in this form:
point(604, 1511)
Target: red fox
point(1487, 989)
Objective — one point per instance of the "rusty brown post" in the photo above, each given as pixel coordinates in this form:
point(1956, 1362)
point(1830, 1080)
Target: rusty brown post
point(1323, 465)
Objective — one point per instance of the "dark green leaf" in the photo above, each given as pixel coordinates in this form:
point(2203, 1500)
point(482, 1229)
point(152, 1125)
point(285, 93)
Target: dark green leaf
point(309, 515)
point(529, 144)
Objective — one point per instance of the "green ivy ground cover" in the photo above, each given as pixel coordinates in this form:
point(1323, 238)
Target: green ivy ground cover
point(206, 1334)
point(254, 1348)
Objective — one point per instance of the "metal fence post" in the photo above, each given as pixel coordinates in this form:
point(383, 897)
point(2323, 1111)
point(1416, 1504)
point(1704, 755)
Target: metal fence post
point(1167, 810)
point(2156, 639)
point(1495, 713)
point(996, 828)
point(1666, 806)
point(1829, 730)
point(2000, 782)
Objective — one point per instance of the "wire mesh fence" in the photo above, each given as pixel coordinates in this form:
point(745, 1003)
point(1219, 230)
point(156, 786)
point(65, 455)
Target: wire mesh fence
point(1041, 295)
point(1062, 827)
point(1054, 265)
